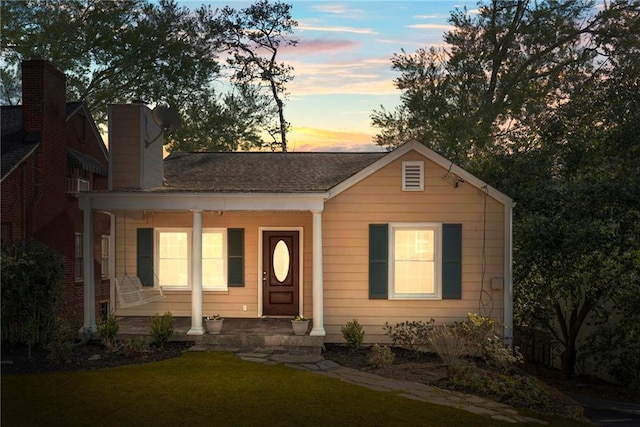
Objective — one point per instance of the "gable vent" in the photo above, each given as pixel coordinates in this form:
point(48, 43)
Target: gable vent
point(412, 176)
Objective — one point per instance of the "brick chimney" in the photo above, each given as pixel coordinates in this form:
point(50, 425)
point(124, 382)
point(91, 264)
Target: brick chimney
point(43, 118)
point(43, 96)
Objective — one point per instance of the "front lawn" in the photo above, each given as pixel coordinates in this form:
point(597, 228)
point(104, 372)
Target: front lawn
point(199, 389)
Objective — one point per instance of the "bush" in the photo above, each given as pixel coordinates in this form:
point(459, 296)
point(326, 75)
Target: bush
point(499, 355)
point(516, 390)
point(135, 348)
point(413, 336)
point(61, 346)
point(108, 332)
point(353, 334)
point(161, 328)
point(476, 330)
point(381, 356)
point(31, 277)
point(450, 345)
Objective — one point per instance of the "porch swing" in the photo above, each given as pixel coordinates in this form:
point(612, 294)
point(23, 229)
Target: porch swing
point(130, 290)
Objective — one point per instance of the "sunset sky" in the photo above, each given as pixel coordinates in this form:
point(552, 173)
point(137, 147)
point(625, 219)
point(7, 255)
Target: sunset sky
point(342, 64)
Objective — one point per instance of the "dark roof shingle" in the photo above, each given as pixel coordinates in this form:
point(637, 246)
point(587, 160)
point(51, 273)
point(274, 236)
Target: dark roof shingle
point(15, 143)
point(262, 172)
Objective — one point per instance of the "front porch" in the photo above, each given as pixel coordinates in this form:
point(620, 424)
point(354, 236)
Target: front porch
point(272, 335)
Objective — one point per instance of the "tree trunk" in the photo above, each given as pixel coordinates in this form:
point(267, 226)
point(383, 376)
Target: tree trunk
point(568, 357)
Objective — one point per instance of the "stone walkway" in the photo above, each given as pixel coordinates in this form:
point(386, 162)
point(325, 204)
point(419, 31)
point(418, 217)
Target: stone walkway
point(411, 390)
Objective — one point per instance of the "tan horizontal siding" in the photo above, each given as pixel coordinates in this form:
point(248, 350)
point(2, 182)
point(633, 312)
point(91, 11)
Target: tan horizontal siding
point(379, 199)
point(229, 303)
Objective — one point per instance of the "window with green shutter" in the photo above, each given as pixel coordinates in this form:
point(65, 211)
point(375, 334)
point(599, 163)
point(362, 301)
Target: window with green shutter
point(415, 261)
point(235, 257)
point(378, 261)
point(144, 254)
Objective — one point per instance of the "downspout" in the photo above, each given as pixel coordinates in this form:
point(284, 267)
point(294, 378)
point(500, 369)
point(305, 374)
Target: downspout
point(112, 261)
point(89, 325)
point(508, 274)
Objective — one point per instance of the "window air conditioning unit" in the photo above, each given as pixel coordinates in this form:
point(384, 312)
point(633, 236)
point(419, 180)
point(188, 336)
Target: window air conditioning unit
point(76, 185)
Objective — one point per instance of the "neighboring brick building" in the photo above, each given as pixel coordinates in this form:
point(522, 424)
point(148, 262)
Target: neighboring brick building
point(51, 150)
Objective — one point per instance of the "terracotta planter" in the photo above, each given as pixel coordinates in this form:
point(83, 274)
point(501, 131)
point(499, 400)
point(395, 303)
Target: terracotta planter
point(300, 327)
point(214, 326)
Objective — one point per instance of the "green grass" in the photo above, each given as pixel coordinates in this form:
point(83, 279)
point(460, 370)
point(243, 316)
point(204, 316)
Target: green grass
point(202, 389)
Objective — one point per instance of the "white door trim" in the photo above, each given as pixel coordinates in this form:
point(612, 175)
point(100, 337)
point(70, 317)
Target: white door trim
point(300, 231)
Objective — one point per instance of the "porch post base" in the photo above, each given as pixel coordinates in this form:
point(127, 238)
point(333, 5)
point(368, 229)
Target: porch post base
point(318, 332)
point(196, 331)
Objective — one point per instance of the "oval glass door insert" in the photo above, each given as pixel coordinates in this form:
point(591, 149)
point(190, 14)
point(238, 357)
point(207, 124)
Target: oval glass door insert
point(281, 260)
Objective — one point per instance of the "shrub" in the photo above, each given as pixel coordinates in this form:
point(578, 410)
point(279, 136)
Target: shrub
point(108, 332)
point(61, 346)
point(413, 336)
point(381, 356)
point(476, 330)
point(138, 347)
point(449, 344)
point(161, 328)
point(353, 334)
point(31, 277)
point(517, 390)
point(499, 355)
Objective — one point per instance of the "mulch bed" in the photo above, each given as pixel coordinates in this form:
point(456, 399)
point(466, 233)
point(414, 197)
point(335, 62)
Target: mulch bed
point(15, 358)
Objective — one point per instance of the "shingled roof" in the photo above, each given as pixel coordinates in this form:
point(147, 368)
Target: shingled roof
point(262, 172)
point(16, 143)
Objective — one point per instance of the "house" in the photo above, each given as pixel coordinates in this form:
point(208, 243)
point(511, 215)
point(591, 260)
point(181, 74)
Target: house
point(51, 150)
point(381, 237)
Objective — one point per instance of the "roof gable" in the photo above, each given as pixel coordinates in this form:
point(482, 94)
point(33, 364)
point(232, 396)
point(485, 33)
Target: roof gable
point(414, 145)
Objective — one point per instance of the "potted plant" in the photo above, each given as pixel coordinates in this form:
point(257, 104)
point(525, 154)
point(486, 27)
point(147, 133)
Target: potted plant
point(214, 323)
point(300, 325)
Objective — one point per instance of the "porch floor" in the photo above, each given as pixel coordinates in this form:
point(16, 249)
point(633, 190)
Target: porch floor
point(273, 335)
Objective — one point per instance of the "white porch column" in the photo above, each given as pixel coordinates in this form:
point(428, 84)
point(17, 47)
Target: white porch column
point(196, 275)
point(87, 268)
point(318, 295)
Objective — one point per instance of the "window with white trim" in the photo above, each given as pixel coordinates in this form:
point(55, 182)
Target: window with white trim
point(415, 261)
point(214, 258)
point(104, 256)
point(79, 262)
point(173, 254)
point(413, 176)
point(173, 258)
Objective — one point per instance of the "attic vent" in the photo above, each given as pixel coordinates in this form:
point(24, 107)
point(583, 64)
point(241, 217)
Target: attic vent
point(412, 176)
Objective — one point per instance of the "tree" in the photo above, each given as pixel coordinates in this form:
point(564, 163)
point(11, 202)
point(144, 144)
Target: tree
point(111, 51)
point(217, 122)
point(538, 99)
point(161, 53)
point(252, 38)
point(500, 71)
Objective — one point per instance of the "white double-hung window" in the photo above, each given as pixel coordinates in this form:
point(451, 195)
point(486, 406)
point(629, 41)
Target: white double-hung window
point(214, 256)
point(415, 254)
point(174, 253)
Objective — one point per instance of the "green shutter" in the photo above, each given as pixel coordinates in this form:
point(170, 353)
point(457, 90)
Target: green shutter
point(235, 257)
point(451, 261)
point(378, 261)
point(144, 252)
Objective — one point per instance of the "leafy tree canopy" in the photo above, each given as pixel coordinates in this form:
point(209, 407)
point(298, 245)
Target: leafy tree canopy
point(162, 53)
point(538, 98)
